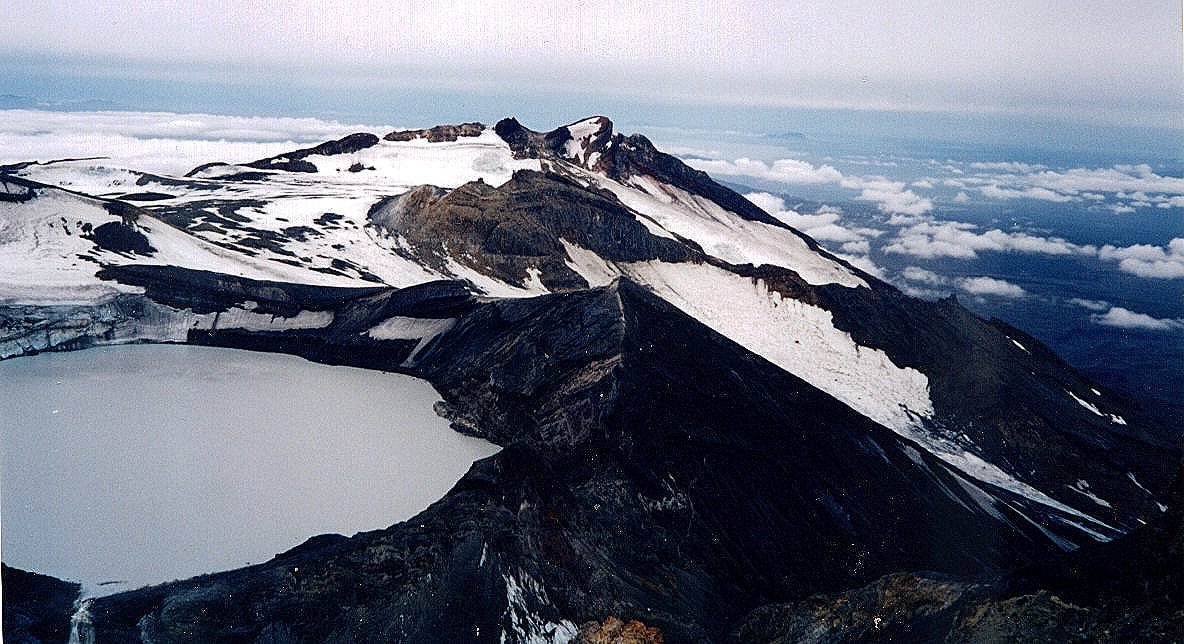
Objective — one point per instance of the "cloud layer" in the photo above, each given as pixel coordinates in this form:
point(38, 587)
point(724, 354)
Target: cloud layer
point(157, 141)
point(1127, 319)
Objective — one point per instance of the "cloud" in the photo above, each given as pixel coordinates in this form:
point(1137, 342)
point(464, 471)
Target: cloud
point(1015, 167)
point(930, 239)
point(994, 191)
point(981, 285)
point(1127, 319)
point(990, 286)
point(890, 196)
point(923, 283)
point(927, 238)
point(918, 274)
point(961, 197)
point(865, 264)
point(157, 141)
point(1137, 185)
point(1092, 305)
point(822, 225)
point(860, 247)
point(1116, 179)
point(790, 171)
point(1145, 260)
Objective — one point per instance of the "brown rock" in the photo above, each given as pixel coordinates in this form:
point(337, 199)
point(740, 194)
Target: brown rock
point(614, 630)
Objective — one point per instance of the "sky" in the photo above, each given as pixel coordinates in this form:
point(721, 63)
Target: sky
point(1089, 60)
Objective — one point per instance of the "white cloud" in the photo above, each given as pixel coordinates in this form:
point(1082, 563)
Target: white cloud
point(769, 203)
point(1145, 260)
point(961, 197)
point(990, 286)
point(890, 196)
point(1127, 319)
point(930, 239)
point(822, 225)
point(159, 142)
point(1116, 179)
point(995, 191)
point(1138, 185)
point(860, 247)
point(1091, 305)
point(865, 264)
point(925, 276)
point(790, 171)
point(1014, 167)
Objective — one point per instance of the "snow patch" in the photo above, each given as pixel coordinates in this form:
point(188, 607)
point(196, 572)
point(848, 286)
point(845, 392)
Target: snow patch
point(1131, 476)
point(1088, 405)
point(521, 592)
point(237, 318)
point(405, 328)
point(1114, 418)
point(590, 266)
point(1082, 487)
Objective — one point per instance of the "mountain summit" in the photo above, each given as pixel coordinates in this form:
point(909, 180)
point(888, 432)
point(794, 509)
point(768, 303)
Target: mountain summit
point(705, 417)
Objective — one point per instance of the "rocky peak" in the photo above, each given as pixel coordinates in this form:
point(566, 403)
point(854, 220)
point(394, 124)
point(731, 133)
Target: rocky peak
point(591, 144)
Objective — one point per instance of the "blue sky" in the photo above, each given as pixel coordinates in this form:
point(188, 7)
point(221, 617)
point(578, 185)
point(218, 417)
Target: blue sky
point(1093, 61)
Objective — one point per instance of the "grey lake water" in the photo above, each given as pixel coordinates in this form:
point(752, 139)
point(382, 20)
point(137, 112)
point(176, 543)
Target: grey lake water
point(143, 464)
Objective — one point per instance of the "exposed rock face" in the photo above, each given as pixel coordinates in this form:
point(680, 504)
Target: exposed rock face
point(616, 631)
point(439, 133)
point(37, 608)
point(621, 156)
point(1129, 590)
point(504, 231)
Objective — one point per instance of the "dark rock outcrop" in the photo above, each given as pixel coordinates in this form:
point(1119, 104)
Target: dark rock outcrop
point(37, 608)
point(295, 161)
point(504, 231)
point(439, 133)
point(621, 156)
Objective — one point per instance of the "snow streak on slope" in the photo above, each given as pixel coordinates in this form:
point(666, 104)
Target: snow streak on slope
point(795, 336)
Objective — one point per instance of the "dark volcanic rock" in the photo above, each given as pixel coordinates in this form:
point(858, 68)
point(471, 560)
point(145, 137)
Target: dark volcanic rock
point(622, 156)
point(1128, 590)
point(294, 161)
point(504, 231)
point(902, 607)
point(37, 608)
point(439, 133)
point(120, 238)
